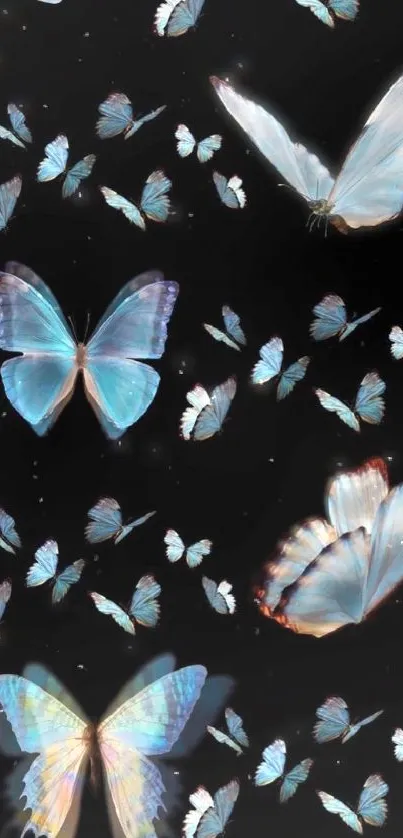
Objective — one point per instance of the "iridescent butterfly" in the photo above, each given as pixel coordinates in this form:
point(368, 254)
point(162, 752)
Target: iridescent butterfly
point(194, 554)
point(328, 10)
point(117, 117)
point(216, 816)
point(9, 194)
point(55, 162)
point(271, 365)
point(106, 522)
point(230, 191)
point(41, 382)
point(175, 17)
point(145, 720)
point(219, 595)
point(331, 319)
point(9, 538)
point(206, 414)
point(334, 721)
point(369, 188)
point(369, 404)
point(201, 800)
point(397, 740)
point(143, 609)
point(154, 201)
point(44, 570)
point(396, 340)
point(19, 126)
point(187, 143)
point(234, 330)
point(5, 594)
point(236, 736)
point(371, 808)
point(272, 769)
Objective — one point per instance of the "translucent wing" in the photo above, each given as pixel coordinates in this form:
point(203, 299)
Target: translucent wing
point(116, 116)
point(215, 819)
point(369, 403)
point(319, 10)
point(230, 191)
point(358, 725)
point(330, 317)
point(219, 596)
point(118, 202)
point(201, 800)
point(66, 579)
point(224, 739)
point(128, 528)
point(294, 778)
point(212, 417)
point(336, 807)
point(108, 607)
point(76, 174)
point(233, 325)
point(235, 727)
point(148, 117)
point(333, 720)
point(345, 9)
point(220, 336)
point(44, 567)
point(105, 521)
point(206, 148)
point(198, 399)
point(9, 538)
point(334, 405)
point(184, 16)
point(354, 497)
point(272, 765)
point(162, 16)
point(5, 594)
point(372, 806)
point(17, 120)
point(358, 322)
point(9, 194)
point(271, 359)
point(154, 199)
point(397, 740)
point(175, 546)
point(196, 552)
point(55, 161)
point(386, 554)
point(144, 607)
point(396, 339)
point(186, 141)
point(291, 376)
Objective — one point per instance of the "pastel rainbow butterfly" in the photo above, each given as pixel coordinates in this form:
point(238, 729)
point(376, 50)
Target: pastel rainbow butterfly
point(187, 143)
point(230, 191)
point(371, 808)
point(331, 319)
point(44, 570)
point(206, 413)
point(234, 337)
point(328, 10)
point(176, 17)
point(271, 366)
point(236, 737)
point(209, 816)
point(143, 609)
point(272, 768)
point(219, 595)
point(105, 521)
point(194, 554)
point(18, 124)
point(143, 721)
point(5, 594)
point(334, 721)
point(369, 187)
point(117, 117)
point(154, 201)
point(9, 538)
point(55, 162)
point(9, 194)
point(369, 404)
point(41, 382)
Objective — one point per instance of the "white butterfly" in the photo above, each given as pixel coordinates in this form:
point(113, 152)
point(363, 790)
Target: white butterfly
point(210, 816)
point(234, 334)
point(194, 554)
point(44, 570)
point(271, 365)
point(397, 739)
point(219, 595)
point(230, 190)
point(205, 148)
point(396, 339)
point(272, 768)
point(206, 414)
point(5, 594)
point(20, 128)
point(201, 800)
point(334, 721)
point(327, 11)
point(236, 736)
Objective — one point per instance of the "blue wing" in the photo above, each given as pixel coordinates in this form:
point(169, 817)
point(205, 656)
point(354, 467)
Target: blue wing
point(233, 325)
point(337, 807)
point(226, 195)
point(196, 552)
point(291, 376)
point(212, 417)
point(110, 609)
point(9, 194)
point(369, 403)
point(345, 9)
point(184, 16)
point(294, 778)
point(358, 322)
point(216, 599)
point(139, 122)
point(129, 210)
point(127, 528)
point(76, 174)
point(5, 594)
point(272, 765)
point(66, 579)
point(17, 120)
point(206, 148)
point(372, 806)
point(44, 567)
point(334, 720)
point(116, 116)
point(235, 727)
point(55, 160)
point(215, 819)
point(330, 318)
point(271, 359)
point(144, 607)
point(105, 521)
point(334, 405)
point(9, 537)
point(154, 199)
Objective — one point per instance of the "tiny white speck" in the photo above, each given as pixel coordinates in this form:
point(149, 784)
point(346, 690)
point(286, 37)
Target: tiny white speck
point(24, 28)
point(86, 35)
point(40, 500)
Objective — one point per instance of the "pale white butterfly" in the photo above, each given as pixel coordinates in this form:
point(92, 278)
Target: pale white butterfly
point(9, 538)
point(270, 366)
point(187, 143)
point(44, 570)
point(236, 737)
point(396, 340)
point(206, 414)
point(55, 163)
point(214, 820)
point(331, 319)
point(234, 336)
point(371, 808)
point(194, 553)
point(397, 740)
point(230, 190)
point(5, 594)
point(219, 595)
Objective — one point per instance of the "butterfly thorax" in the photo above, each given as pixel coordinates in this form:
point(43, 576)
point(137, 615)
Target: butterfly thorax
point(91, 739)
point(81, 355)
point(321, 207)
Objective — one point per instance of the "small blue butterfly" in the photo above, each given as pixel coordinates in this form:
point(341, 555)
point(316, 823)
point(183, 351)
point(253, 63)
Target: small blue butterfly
point(117, 117)
point(372, 807)
point(206, 414)
point(55, 162)
point(369, 404)
point(230, 191)
point(345, 9)
point(331, 319)
point(205, 148)
point(272, 769)
point(334, 721)
point(271, 365)
point(175, 548)
point(234, 330)
point(219, 595)
point(154, 201)
point(106, 522)
point(9, 194)
point(215, 818)
point(176, 17)
point(236, 737)
point(44, 570)
point(19, 126)
point(143, 609)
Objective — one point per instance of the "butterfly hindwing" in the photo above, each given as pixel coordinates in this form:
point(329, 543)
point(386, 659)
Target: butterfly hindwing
point(333, 719)
point(144, 607)
point(215, 819)
point(294, 778)
point(68, 577)
point(369, 403)
point(154, 199)
point(9, 194)
point(76, 174)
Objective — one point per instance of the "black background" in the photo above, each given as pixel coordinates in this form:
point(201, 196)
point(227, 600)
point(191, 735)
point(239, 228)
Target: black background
point(268, 468)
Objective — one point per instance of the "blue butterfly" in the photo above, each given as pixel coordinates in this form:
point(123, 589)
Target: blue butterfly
point(9, 538)
point(331, 319)
point(372, 807)
point(175, 17)
point(143, 609)
point(154, 201)
point(233, 327)
point(206, 414)
point(117, 117)
point(19, 126)
point(106, 522)
point(216, 817)
point(236, 737)
point(369, 404)
point(334, 721)
point(219, 595)
point(325, 11)
point(205, 148)
point(230, 191)
point(9, 194)
point(41, 382)
point(44, 569)
point(55, 162)
point(5, 594)
point(272, 769)
point(271, 365)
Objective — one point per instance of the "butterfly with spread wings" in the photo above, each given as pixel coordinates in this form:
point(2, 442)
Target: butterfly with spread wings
point(116, 117)
point(44, 570)
point(371, 808)
point(272, 768)
point(144, 607)
point(329, 10)
point(206, 413)
point(154, 202)
point(21, 133)
point(271, 366)
point(55, 162)
point(105, 521)
point(369, 405)
point(334, 721)
point(234, 336)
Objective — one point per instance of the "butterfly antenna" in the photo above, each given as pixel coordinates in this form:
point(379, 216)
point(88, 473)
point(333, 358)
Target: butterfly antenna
point(70, 319)
point(87, 324)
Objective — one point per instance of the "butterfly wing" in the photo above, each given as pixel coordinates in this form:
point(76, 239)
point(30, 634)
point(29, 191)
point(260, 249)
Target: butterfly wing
point(186, 141)
point(229, 191)
point(196, 552)
point(183, 17)
point(272, 765)
point(105, 521)
point(224, 739)
point(55, 160)
point(353, 497)
point(9, 194)
point(224, 593)
point(212, 417)
point(215, 819)
point(334, 405)
point(9, 537)
point(396, 339)
point(201, 800)
point(359, 322)
point(318, 9)
point(17, 120)
point(271, 359)
point(128, 528)
point(291, 376)
point(116, 116)
point(333, 720)
point(5, 134)
point(5, 594)
point(356, 727)
point(162, 16)
point(198, 399)
point(232, 324)
point(139, 122)
point(144, 607)
point(216, 597)
point(66, 579)
point(76, 174)
point(294, 778)
point(397, 740)
point(44, 567)
point(369, 403)
point(206, 148)
point(385, 561)
point(175, 546)
point(118, 202)
point(330, 318)
point(220, 336)
point(235, 727)
point(154, 199)
point(337, 807)
point(108, 607)
point(344, 9)
point(372, 806)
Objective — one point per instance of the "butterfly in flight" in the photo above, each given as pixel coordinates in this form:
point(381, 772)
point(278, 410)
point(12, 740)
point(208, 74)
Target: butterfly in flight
point(371, 808)
point(396, 340)
point(117, 117)
point(230, 191)
point(369, 188)
point(234, 337)
point(331, 319)
point(143, 609)
point(176, 17)
point(397, 739)
point(187, 143)
point(194, 554)
point(18, 124)
point(105, 521)
point(206, 414)
point(329, 10)
point(41, 382)
point(44, 570)
point(9, 538)
point(236, 737)
point(219, 595)
point(271, 365)
point(144, 721)
point(272, 768)
point(55, 162)
point(9, 194)
point(5, 594)
point(154, 201)
point(334, 721)
point(369, 404)
point(209, 815)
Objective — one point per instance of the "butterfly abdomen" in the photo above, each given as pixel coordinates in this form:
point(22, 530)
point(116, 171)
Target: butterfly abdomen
point(81, 356)
point(91, 739)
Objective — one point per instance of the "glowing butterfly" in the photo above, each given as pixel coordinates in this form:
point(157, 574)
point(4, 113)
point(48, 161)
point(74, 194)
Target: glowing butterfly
point(397, 740)
point(359, 567)
point(5, 594)
point(176, 17)
point(55, 162)
point(9, 538)
point(154, 201)
point(21, 131)
point(194, 554)
point(334, 721)
point(369, 187)
point(106, 522)
point(117, 117)
point(271, 365)
point(371, 808)
point(145, 724)
point(236, 736)
point(369, 404)
point(143, 608)
point(219, 596)
point(201, 800)
point(234, 333)
point(328, 10)
point(215, 818)
point(206, 414)
point(331, 319)
point(205, 148)
point(44, 570)
point(9, 194)
point(396, 339)
point(41, 382)
point(230, 191)
point(272, 769)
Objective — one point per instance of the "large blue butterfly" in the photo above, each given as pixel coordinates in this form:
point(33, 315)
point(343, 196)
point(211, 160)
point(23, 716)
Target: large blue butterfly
point(41, 382)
